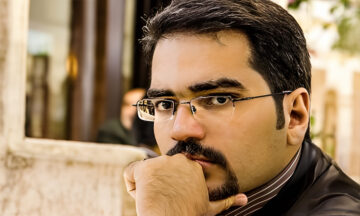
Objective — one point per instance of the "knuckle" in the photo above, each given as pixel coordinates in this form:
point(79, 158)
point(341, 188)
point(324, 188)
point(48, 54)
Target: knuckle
point(179, 156)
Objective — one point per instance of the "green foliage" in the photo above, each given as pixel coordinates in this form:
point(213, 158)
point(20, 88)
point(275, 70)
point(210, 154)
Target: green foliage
point(346, 3)
point(295, 4)
point(347, 18)
point(348, 27)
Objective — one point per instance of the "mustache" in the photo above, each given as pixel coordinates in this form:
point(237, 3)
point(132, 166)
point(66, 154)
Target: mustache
point(192, 147)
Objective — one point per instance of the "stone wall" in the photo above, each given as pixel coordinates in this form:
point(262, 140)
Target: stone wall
point(46, 187)
point(3, 51)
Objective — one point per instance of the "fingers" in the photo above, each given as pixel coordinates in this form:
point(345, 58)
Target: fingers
point(130, 179)
point(222, 205)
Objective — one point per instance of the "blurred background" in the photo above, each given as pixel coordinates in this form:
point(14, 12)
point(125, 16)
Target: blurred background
point(84, 55)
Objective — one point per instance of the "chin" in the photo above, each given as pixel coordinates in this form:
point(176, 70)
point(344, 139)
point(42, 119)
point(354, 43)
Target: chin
point(223, 191)
point(221, 183)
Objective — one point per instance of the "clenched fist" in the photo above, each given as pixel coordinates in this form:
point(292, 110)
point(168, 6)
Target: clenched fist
point(173, 185)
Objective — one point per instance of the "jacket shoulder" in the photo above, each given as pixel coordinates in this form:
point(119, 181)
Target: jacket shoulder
point(331, 193)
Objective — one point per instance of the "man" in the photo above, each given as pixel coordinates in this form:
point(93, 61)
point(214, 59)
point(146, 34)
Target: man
point(229, 98)
point(119, 130)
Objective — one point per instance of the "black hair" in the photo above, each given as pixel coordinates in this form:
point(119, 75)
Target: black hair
point(277, 43)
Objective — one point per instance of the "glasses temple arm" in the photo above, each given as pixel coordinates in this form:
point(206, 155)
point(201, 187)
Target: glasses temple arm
point(260, 96)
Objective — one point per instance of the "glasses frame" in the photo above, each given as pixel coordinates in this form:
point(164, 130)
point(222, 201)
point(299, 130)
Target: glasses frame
point(193, 108)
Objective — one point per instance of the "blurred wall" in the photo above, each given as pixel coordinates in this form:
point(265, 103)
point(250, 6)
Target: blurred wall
point(335, 83)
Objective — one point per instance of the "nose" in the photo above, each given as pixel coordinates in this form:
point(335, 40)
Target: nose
point(186, 126)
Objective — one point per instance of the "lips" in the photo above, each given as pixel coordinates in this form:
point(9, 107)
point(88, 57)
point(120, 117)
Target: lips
point(203, 161)
point(196, 157)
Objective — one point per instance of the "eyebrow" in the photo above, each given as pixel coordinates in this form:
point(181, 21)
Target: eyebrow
point(152, 93)
point(199, 87)
point(214, 84)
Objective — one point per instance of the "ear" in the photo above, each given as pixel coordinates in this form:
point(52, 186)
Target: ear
point(297, 109)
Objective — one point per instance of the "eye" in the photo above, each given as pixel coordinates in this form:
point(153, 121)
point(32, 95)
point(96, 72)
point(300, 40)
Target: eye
point(164, 105)
point(213, 101)
point(219, 100)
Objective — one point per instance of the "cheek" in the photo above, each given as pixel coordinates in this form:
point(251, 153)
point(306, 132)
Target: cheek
point(162, 136)
point(256, 121)
point(247, 137)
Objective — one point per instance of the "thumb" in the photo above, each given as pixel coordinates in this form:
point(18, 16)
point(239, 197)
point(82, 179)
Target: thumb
point(222, 205)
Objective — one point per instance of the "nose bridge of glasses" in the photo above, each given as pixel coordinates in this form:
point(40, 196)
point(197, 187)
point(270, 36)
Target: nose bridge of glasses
point(192, 107)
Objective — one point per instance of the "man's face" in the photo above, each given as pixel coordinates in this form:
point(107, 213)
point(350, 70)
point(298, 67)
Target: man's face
point(185, 66)
point(127, 110)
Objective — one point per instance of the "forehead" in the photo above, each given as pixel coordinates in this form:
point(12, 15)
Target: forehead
point(184, 60)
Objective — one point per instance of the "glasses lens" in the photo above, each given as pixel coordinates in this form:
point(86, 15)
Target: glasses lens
point(155, 109)
point(213, 108)
point(164, 109)
point(146, 110)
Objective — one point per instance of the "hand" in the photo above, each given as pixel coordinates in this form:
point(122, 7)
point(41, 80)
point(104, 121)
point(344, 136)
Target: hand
point(173, 185)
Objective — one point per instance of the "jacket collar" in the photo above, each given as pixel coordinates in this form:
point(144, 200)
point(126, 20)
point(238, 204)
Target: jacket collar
point(309, 167)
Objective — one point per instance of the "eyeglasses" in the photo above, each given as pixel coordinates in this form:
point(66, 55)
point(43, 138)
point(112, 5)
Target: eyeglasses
point(217, 107)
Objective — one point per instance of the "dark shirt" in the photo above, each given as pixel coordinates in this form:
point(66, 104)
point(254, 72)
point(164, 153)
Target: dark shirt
point(113, 131)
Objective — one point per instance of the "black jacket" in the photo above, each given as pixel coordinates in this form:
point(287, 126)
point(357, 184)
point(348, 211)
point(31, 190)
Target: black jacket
point(317, 187)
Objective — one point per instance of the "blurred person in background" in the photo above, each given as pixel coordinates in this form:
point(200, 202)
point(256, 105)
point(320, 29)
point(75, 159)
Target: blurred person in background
point(119, 130)
point(230, 100)
point(143, 135)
